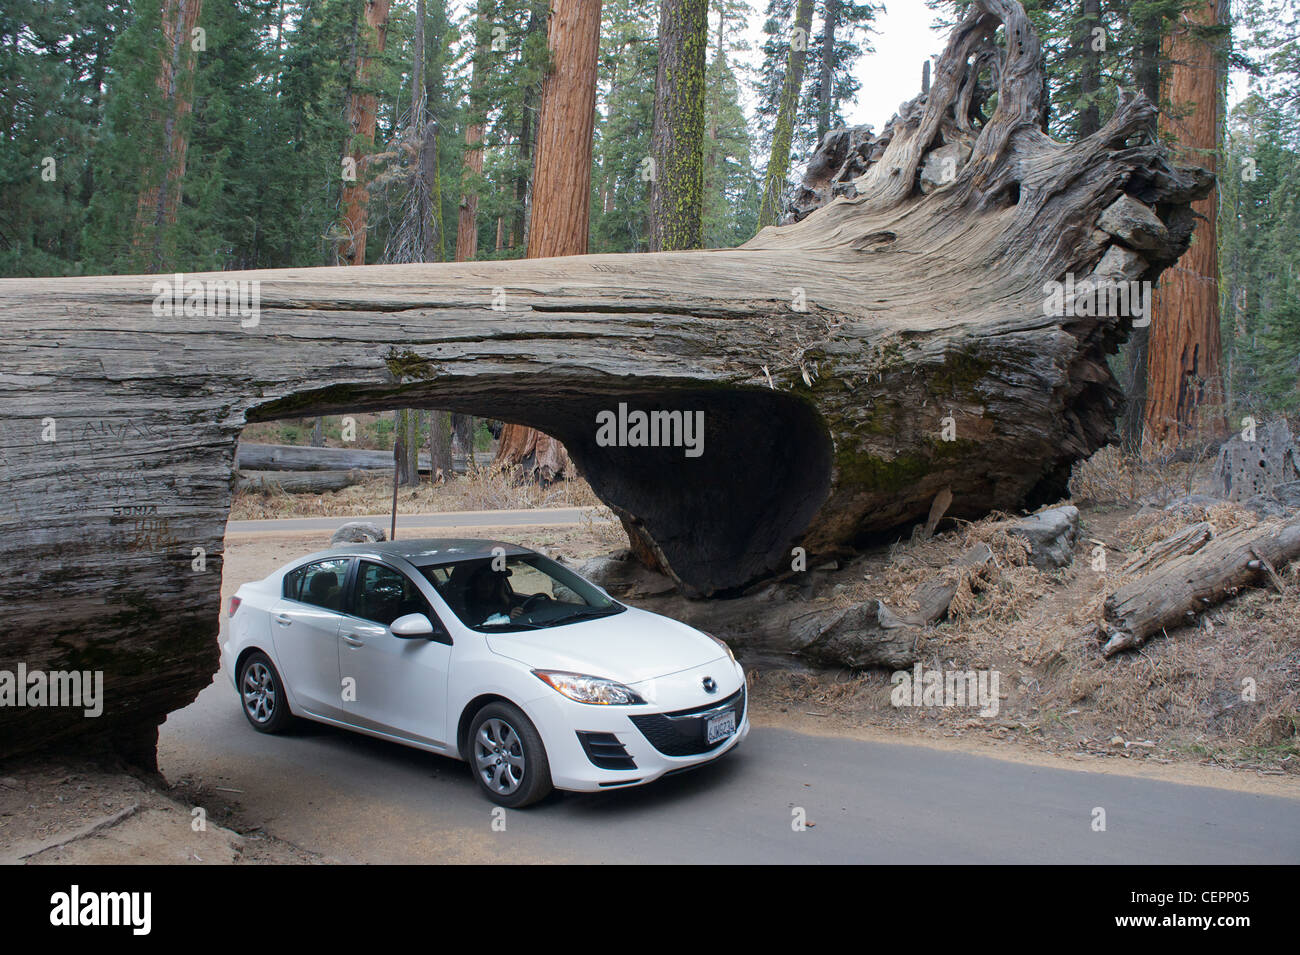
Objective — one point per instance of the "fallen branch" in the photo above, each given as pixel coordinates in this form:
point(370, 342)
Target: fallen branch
point(1176, 590)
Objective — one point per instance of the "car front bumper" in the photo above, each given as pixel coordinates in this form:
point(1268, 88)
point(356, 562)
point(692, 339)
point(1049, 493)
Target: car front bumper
point(666, 737)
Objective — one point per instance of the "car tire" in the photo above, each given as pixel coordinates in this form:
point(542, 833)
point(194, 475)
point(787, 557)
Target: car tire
point(506, 755)
point(262, 696)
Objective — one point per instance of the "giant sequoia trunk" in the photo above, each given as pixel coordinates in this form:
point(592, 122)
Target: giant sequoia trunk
point(561, 187)
point(362, 109)
point(1184, 353)
point(831, 361)
point(160, 198)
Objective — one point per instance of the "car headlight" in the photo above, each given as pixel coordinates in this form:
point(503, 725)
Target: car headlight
point(720, 643)
point(582, 688)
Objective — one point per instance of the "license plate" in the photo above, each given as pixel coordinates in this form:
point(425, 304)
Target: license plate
point(720, 726)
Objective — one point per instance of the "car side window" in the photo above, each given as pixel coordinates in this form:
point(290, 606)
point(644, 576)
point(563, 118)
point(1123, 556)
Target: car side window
point(384, 594)
point(321, 584)
point(293, 583)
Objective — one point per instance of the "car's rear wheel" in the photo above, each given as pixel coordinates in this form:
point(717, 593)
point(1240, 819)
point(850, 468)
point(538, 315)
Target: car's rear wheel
point(507, 756)
point(261, 691)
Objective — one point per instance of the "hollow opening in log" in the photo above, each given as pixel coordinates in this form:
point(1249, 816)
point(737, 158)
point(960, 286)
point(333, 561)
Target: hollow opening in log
point(717, 483)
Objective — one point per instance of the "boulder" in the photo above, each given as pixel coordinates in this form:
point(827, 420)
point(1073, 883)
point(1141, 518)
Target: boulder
point(1051, 535)
point(358, 532)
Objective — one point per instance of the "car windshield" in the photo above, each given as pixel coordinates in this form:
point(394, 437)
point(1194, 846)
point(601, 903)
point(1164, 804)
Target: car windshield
point(518, 592)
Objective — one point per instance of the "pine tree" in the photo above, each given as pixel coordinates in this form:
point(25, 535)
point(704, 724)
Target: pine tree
point(620, 218)
point(369, 38)
point(778, 163)
point(677, 137)
point(731, 189)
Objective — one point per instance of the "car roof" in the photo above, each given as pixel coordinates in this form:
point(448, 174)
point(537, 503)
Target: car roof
point(432, 551)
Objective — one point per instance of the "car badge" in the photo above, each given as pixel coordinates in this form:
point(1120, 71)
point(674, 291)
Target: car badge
point(709, 685)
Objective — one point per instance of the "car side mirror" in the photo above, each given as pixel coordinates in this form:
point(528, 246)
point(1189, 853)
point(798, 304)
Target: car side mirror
point(412, 626)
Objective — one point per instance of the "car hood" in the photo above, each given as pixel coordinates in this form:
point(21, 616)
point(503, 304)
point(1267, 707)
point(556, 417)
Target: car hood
point(629, 647)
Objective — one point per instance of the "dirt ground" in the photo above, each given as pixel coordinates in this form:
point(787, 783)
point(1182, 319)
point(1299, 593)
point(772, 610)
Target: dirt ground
point(1182, 698)
point(69, 812)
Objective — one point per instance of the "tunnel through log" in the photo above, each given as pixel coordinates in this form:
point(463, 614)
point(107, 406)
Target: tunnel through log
point(893, 343)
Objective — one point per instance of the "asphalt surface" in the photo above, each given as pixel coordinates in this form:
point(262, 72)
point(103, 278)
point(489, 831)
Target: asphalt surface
point(546, 516)
point(359, 799)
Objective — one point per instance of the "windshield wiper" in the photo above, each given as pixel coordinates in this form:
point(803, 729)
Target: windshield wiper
point(521, 624)
point(590, 613)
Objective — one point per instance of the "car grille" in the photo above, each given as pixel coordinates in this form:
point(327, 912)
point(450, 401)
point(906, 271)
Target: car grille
point(605, 751)
point(683, 733)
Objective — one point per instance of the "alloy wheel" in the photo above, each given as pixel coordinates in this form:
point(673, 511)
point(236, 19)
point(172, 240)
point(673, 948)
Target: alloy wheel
point(499, 756)
point(259, 692)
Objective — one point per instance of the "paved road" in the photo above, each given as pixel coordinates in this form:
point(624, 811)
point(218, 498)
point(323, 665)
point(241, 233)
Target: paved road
point(544, 516)
point(363, 800)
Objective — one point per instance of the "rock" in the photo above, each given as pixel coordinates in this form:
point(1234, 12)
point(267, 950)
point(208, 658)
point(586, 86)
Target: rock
point(941, 165)
point(1193, 506)
point(1288, 494)
point(1249, 469)
point(1265, 507)
point(1134, 223)
point(841, 156)
point(358, 532)
point(1051, 535)
point(1118, 264)
point(622, 574)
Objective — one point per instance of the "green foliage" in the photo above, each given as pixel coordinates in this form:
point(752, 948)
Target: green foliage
point(731, 187)
point(1259, 256)
point(620, 202)
point(53, 60)
point(849, 29)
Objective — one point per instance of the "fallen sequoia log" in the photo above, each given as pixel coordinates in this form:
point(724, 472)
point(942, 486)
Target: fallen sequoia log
point(1197, 572)
point(297, 482)
point(293, 457)
point(837, 373)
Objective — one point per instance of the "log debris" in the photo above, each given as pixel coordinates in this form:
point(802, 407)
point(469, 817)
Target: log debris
point(1174, 591)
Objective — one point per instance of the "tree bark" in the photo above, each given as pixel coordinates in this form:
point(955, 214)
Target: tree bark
point(826, 93)
point(1089, 68)
point(1175, 591)
point(297, 482)
point(566, 118)
point(362, 109)
point(677, 137)
point(778, 162)
point(1184, 353)
point(472, 169)
point(826, 416)
point(561, 185)
point(160, 199)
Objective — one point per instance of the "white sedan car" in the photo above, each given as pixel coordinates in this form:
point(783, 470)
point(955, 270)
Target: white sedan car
point(489, 653)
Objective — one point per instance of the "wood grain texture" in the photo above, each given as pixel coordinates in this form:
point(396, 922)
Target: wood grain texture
point(1174, 592)
point(828, 357)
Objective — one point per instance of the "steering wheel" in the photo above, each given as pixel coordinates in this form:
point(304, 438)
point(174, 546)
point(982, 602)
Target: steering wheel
point(532, 602)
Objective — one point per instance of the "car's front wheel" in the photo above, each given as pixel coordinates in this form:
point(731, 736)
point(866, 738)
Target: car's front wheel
point(507, 756)
point(262, 693)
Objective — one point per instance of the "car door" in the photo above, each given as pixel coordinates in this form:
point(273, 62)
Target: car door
point(393, 685)
point(305, 626)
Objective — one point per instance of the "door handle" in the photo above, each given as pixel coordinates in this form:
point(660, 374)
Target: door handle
point(283, 619)
point(351, 640)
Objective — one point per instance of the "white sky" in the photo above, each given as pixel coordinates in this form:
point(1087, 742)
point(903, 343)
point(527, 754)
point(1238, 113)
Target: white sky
point(892, 74)
point(902, 40)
